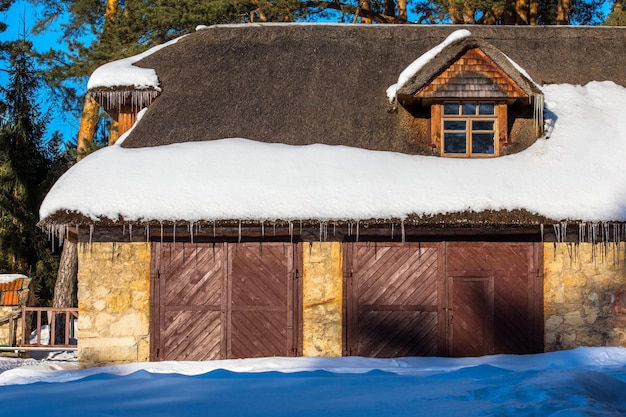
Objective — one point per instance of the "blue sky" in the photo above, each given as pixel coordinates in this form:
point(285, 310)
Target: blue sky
point(23, 13)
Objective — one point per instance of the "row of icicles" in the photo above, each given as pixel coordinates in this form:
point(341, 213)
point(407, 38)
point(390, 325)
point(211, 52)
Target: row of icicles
point(588, 232)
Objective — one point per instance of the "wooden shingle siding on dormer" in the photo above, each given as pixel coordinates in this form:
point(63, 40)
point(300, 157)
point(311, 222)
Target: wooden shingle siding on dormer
point(474, 75)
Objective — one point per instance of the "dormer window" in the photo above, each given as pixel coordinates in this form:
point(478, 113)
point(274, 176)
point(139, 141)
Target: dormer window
point(469, 128)
point(480, 103)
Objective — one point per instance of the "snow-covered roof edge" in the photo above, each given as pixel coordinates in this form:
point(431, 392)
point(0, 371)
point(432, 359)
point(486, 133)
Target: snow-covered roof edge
point(419, 63)
point(122, 73)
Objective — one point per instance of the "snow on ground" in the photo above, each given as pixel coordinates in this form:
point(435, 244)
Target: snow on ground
point(577, 172)
point(580, 382)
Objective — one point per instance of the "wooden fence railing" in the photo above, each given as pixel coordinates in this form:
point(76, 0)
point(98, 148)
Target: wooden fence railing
point(58, 323)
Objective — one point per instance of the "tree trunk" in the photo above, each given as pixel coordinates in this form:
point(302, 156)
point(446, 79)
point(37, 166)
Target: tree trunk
point(402, 15)
point(562, 12)
point(533, 11)
point(390, 8)
point(87, 129)
point(521, 12)
point(65, 287)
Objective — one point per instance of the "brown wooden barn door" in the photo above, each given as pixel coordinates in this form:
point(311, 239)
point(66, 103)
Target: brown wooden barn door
point(392, 299)
point(219, 300)
point(495, 298)
point(188, 301)
point(262, 295)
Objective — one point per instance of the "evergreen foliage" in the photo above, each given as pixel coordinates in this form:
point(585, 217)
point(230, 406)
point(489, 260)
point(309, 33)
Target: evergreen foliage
point(27, 169)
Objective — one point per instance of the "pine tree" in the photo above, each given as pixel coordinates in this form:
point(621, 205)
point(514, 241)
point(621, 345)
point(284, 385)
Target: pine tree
point(24, 172)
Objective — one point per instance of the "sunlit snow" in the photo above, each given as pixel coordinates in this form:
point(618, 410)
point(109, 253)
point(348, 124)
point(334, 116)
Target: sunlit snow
point(122, 73)
point(419, 63)
point(576, 172)
point(580, 382)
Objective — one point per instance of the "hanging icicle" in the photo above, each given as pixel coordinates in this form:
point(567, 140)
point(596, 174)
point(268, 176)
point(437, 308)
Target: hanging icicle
point(357, 230)
point(239, 236)
point(403, 235)
point(290, 232)
point(161, 231)
point(538, 102)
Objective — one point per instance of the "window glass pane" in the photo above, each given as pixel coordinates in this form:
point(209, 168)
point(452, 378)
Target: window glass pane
point(454, 143)
point(469, 108)
point(454, 124)
point(486, 108)
point(482, 143)
point(451, 108)
point(482, 124)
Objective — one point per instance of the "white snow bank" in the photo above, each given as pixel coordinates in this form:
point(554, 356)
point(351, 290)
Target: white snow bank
point(419, 63)
point(122, 73)
point(577, 173)
point(580, 358)
point(4, 278)
point(582, 382)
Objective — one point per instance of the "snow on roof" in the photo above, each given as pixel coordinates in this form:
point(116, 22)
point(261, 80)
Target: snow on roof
point(576, 173)
point(4, 278)
point(419, 63)
point(122, 73)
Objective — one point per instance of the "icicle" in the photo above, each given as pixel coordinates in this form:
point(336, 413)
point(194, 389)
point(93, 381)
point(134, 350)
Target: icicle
point(392, 224)
point(349, 228)
point(334, 228)
point(239, 237)
point(538, 102)
point(357, 230)
point(541, 229)
point(564, 231)
point(290, 232)
point(174, 232)
point(191, 231)
point(274, 228)
point(300, 226)
point(123, 229)
point(403, 235)
point(161, 222)
point(262, 228)
point(213, 228)
point(321, 231)
point(557, 233)
point(90, 233)
point(147, 232)
point(130, 231)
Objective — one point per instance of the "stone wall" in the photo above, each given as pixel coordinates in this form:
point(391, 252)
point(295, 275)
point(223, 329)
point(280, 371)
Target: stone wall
point(113, 303)
point(322, 298)
point(584, 295)
point(5, 333)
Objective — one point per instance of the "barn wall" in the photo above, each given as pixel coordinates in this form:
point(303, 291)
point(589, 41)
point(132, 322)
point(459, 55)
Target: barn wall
point(584, 295)
point(113, 302)
point(322, 289)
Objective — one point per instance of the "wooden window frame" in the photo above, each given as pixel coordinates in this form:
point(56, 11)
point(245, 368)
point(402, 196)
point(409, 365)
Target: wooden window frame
point(499, 129)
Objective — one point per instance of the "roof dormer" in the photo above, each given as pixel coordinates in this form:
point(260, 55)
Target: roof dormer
point(470, 87)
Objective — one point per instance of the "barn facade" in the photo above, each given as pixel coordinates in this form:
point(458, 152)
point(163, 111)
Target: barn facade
point(276, 256)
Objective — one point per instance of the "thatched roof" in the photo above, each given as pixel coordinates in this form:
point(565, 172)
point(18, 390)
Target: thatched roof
point(305, 84)
point(301, 84)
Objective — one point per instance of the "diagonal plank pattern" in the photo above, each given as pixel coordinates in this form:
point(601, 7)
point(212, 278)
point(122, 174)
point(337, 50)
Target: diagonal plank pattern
point(218, 300)
point(395, 288)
